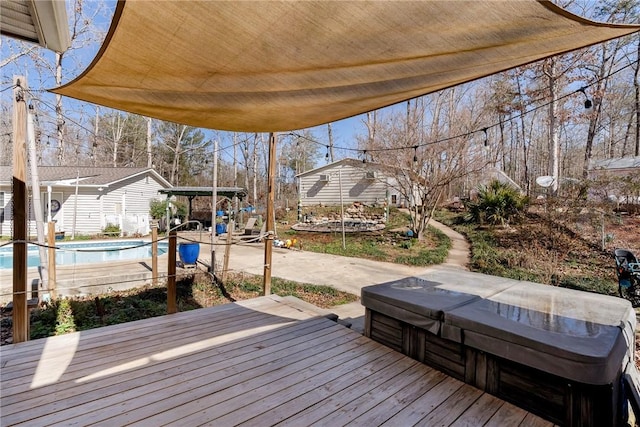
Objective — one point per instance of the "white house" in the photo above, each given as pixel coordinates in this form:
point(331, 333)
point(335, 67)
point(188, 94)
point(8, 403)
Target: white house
point(368, 183)
point(84, 200)
point(616, 179)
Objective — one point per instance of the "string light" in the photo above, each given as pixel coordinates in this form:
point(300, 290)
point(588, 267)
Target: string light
point(326, 156)
point(486, 138)
point(364, 156)
point(587, 102)
point(415, 154)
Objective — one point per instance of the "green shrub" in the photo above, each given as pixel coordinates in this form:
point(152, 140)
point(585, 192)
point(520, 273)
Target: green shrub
point(497, 204)
point(158, 209)
point(65, 321)
point(111, 229)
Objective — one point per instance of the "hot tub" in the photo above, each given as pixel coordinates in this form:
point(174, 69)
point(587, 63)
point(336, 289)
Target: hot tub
point(407, 315)
point(556, 352)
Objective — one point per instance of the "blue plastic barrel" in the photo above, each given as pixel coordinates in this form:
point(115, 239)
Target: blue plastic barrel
point(221, 228)
point(189, 252)
point(219, 213)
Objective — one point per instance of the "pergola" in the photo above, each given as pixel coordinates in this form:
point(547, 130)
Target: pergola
point(192, 192)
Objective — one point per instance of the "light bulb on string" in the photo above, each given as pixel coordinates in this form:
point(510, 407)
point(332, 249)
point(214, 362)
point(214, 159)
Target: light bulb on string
point(587, 102)
point(486, 137)
point(415, 154)
point(364, 156)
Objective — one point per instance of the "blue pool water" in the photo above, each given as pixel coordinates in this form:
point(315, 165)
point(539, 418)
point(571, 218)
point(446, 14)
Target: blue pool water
point(88, 252)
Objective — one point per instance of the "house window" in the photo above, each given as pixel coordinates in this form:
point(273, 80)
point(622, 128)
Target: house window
point(1, 206)
point(394, 199)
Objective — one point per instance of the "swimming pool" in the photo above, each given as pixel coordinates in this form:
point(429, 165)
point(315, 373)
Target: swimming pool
point(84, 253)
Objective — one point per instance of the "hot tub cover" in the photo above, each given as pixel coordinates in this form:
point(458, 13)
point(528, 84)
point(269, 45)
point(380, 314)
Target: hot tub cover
point(421, 301)
point(577, 335)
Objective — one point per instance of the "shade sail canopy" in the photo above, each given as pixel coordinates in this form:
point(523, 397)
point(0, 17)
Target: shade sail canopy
point(268, 66)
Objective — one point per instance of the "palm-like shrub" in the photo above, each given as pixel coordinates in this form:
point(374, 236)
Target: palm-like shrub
point(496, 204)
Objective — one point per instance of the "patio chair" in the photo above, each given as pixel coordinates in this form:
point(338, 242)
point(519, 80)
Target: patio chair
point(628, 272)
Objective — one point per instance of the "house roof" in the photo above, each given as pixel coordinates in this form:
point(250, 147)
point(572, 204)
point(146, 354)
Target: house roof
point(493, 173)
point(229, 192)
point(617, 163)
point(89, 176)
point(347, 161)
point(282, 65)
point(43, 22)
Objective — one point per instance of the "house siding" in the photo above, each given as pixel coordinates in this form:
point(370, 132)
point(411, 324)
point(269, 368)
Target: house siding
point(123, 203)
point(356, 187)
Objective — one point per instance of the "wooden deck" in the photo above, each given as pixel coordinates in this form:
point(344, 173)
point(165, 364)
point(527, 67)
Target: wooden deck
point(260, 362)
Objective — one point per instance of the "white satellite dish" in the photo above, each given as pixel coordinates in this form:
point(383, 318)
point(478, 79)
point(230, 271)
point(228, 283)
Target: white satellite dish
point(545, 181)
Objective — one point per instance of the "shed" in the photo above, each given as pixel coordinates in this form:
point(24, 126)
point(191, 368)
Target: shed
point(368, 183)
point(621, 166)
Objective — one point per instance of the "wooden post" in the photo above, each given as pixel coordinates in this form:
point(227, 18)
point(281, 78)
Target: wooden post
point(20, 311)
point(171, 272)
point(270, 223)
point(227, 250)
point(154, 254)
point(51, 241)
point(214, 203)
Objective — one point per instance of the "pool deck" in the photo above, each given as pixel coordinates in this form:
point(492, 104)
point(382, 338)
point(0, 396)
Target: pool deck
point(87, 278)
point(345, 274)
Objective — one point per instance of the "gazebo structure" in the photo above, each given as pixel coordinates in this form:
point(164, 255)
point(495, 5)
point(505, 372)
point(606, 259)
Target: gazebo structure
point(192, 192)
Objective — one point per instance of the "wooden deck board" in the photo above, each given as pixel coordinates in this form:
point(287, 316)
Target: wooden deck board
point(107, 385)
point(278, 338)
point(323, 400)
point(403, 397)
point(259, 362)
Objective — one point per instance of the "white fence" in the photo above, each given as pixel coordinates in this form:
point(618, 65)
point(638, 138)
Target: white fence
point(129, 224)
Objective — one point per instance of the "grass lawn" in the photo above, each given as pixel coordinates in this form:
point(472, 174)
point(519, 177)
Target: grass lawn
point(391, 244)
point(78, 314)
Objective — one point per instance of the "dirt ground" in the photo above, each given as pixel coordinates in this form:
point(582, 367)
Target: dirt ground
point(562, 243)
point(622, 233)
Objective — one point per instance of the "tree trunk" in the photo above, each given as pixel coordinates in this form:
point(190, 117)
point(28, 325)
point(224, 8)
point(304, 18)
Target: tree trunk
point(591, 133)
point(636, 85)
point(149, 155)
point(96, 129)
point(176, 155)
point(525, 160)
point(330, 135)
point(59, 116)
point(550, 71)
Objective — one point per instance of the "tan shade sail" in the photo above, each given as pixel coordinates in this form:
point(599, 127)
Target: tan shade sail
point(273, 66)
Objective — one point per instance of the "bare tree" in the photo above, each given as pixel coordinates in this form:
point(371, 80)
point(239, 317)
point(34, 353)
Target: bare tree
point(426, 159)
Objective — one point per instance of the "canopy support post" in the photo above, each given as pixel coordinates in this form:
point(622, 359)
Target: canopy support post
point(270, 216)
point(20, 211)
